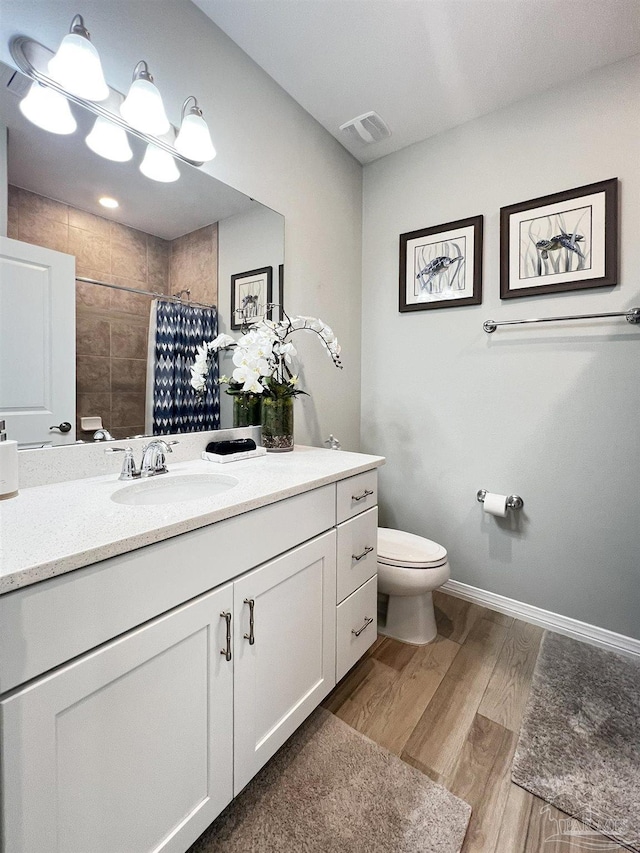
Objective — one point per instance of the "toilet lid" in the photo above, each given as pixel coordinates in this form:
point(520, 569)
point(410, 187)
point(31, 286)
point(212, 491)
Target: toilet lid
point(397, 548)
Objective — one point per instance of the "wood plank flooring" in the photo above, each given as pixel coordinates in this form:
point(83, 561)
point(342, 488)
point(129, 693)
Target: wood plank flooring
point(453, 710)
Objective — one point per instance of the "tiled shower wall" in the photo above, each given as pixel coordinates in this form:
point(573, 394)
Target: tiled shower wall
point(112, 325)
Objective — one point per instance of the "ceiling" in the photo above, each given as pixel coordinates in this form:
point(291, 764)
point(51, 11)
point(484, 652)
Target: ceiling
point(424, 65)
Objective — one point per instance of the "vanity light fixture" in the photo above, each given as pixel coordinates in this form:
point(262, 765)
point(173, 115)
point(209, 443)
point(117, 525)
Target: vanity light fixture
point(111, 203)
point(76, 66)
point(109, 141)
point(58, 82)
point(194, 139)
point(48, 109)
point(143, 108)
point(159, 165)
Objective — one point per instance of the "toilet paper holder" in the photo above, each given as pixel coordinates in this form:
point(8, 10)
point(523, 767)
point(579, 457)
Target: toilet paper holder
point(513, 501)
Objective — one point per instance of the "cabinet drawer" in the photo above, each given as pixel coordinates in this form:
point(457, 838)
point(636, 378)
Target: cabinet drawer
point(356, 495)
point(357, 552)
point(356, 626)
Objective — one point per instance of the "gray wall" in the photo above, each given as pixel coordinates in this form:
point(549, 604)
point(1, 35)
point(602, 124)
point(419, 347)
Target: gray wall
point(550, 412)
point(268, 147)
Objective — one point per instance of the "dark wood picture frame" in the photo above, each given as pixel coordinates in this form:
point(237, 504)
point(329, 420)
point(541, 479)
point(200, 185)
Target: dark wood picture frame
point(261, 279)
point(599, 221)
point(415, 288)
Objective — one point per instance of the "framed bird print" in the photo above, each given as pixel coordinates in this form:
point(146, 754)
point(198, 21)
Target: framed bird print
point(560, 242)
point(251, 295)
point(441, 266)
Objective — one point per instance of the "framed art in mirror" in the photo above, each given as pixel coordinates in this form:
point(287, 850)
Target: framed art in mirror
point(251, 297)
point(560, 242)
point(441, 266)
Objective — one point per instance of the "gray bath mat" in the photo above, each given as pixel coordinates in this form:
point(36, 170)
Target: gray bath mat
point(331, 790)
point(579, 745)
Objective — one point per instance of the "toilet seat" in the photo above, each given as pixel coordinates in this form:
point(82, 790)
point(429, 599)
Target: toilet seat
point(406, 550)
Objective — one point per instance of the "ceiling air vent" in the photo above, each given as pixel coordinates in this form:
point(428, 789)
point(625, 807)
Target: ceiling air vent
point(367, 128)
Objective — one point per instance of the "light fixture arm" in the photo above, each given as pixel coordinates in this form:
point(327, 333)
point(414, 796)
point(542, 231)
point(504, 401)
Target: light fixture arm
point(32, 59)
point(141, 72)
point(79, 28)
point(194, 110)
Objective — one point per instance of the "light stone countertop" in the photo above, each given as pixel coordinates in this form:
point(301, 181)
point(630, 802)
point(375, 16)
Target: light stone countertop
point(52, 529)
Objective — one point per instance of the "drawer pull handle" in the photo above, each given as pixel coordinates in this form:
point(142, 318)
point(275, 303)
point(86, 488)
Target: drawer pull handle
point(250, 636)
point(227, 652)
point(364, 495)
point(358, 557)
point(367, 621)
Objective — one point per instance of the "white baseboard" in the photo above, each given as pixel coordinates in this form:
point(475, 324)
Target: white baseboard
point(545, 618)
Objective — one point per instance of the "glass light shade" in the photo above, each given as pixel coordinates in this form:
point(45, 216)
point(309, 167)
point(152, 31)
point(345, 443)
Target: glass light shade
point(159, 165)
point(144, 110)
point(48, 109)
point(109, 141)
point(76, 67)
point(194, 140)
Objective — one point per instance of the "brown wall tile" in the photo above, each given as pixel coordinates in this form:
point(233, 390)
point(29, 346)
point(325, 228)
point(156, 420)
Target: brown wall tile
point(127, 408)
point(158, 257)
point(90, 222)
point(93, 335)
point(93, 296)
point(40, 231)
point(128, 252)
point(94, 404)
point(129, 340)
point(128, 374)
point(93, 373)
point(129, 303)
point(92, 252)
point(42, 207)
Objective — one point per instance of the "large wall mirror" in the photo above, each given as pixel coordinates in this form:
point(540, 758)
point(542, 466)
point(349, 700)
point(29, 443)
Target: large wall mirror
point(164, 238)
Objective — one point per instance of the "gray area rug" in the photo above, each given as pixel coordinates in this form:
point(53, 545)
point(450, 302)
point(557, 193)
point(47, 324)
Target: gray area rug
point(331, 790)
point(579, 745)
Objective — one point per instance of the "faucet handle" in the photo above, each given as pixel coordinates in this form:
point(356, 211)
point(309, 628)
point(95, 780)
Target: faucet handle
point(129, 470)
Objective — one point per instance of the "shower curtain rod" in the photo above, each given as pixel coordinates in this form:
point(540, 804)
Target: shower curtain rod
point(150, 293)
point(632, 315)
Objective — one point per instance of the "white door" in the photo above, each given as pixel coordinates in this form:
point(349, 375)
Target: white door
point(289, 667)
point(37, 343)
point(129, 748)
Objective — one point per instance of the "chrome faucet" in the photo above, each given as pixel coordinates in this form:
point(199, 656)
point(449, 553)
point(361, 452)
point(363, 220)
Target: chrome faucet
point(153, 459)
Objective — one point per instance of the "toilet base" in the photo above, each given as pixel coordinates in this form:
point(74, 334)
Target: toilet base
point(410, 619)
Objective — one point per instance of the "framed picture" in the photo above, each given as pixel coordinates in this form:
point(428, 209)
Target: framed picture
point(560, 242)
point(251, 295)
point(441, 267)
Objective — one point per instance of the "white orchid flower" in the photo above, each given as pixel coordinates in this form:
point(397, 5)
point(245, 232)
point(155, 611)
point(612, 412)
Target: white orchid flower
point(249, 380)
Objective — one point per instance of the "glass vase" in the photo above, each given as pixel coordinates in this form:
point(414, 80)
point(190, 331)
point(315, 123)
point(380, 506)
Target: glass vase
point(277, 424)
point(247, 410)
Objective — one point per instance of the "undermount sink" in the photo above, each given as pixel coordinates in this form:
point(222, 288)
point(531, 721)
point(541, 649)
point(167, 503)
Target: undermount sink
point(169, 490)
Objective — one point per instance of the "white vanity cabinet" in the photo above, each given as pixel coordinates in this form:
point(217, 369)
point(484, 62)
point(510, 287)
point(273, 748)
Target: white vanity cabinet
point(289, 667)
point(134, 744)
point(356, 579)
point(128, 748)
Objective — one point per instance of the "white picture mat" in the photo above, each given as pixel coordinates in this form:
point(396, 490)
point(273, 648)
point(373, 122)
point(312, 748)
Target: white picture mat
point(596, 269)
point(456, 235)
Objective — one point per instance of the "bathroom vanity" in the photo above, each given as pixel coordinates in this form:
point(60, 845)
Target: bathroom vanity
point(149, 671)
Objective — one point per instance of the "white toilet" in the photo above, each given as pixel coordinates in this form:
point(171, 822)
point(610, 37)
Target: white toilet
point(409, 569)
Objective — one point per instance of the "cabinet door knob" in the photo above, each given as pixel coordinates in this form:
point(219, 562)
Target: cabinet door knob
point(361, 497)
point(65, 426)
point(227, 617)
point(358, 557)
point(250, 636)
point(367, 621)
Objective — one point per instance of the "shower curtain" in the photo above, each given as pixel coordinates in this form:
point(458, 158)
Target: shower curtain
point(175, 331)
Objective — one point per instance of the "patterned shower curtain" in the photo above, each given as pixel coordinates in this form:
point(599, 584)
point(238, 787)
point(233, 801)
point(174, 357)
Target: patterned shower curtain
point(180, 329)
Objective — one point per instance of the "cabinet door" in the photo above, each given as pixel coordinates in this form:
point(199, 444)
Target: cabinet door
point(128, 748)
point(289, 667)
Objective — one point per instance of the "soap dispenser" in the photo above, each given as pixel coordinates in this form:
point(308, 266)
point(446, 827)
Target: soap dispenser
point(8, 465)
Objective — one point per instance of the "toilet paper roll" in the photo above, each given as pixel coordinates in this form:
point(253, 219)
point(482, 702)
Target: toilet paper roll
point(495, 504)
